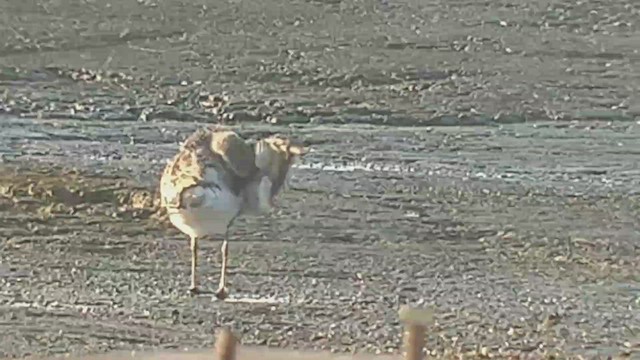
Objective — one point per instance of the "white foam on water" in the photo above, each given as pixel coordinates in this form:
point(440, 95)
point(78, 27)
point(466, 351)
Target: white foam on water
point(355, 166)
point(271, 300)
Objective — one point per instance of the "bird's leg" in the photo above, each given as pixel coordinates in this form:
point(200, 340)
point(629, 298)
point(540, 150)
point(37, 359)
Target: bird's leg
point(194, 265)
point(223, 292)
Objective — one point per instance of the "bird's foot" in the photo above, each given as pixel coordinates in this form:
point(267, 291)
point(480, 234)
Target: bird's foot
point(222, 293)
point(193, 291)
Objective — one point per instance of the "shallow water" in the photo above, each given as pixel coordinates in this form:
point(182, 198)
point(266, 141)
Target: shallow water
point(518, 218)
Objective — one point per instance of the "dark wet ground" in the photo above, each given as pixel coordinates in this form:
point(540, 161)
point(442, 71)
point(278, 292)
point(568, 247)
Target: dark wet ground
point(521, 230)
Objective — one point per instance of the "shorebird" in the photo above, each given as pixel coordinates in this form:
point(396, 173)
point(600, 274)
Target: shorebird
point(218, 176)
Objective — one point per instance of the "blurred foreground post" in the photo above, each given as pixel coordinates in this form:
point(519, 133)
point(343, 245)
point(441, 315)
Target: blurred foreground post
point(415, 325)
point(226, 345)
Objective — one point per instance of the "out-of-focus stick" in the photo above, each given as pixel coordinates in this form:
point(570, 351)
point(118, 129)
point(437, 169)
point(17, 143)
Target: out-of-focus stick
point(415, 325)
point(226, 345)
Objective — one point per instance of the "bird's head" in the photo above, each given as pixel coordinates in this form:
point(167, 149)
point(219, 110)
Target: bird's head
point(274, 157)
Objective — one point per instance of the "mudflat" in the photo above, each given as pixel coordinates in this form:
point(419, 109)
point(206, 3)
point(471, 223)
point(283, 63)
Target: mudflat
point(476, 156)
point(248, 353)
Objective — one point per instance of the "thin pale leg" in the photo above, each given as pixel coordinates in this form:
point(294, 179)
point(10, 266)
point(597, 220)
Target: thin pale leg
point(194, 266)
point(223, 292)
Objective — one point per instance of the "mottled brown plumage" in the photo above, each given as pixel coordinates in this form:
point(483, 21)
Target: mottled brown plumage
point(217, 176)
point(223, 151)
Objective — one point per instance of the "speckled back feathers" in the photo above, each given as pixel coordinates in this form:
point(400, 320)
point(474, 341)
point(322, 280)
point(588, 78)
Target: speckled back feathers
point(221, 150)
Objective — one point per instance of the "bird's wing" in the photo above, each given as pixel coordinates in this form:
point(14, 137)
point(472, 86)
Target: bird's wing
point(181, 173)
point(238, 155)
point(210, 159)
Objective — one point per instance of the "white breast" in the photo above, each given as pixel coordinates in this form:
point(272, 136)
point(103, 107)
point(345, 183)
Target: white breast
point(257, 197)
point(264, 194)
point(206, 209)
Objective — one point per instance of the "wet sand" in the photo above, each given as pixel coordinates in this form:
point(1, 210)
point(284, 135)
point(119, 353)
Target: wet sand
point(246, 353)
